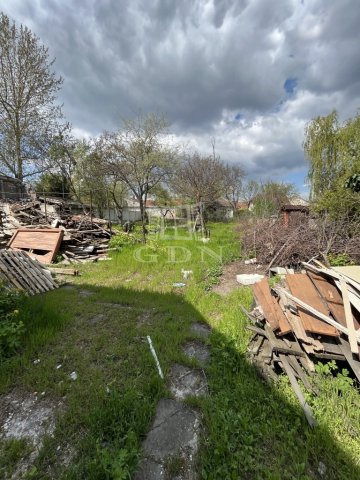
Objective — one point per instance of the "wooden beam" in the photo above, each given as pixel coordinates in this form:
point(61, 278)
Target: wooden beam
point(349, 318)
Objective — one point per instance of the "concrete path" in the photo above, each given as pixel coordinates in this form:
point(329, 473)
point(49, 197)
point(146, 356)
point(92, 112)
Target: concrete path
point(171, 445)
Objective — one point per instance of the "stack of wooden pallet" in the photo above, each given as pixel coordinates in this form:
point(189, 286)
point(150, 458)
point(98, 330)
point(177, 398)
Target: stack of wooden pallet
point(311, 316)
point(19, 271)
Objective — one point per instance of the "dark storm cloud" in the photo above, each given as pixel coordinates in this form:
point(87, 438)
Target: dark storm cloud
point(273, 65)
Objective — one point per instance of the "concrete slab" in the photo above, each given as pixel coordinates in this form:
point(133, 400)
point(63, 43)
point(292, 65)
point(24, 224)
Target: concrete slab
point(196, 349)
point(171, 445)
point(200, 329)
point(85, 293)
point(186, 382)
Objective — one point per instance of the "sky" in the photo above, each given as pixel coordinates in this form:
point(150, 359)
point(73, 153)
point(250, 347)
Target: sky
point(249, 73)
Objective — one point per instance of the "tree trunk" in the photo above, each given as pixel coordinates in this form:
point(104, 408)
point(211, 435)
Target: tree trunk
point(19, 164)
point(142, 205)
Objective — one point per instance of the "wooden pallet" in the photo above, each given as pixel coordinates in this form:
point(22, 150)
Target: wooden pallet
point(20, 271)
point(42, 244)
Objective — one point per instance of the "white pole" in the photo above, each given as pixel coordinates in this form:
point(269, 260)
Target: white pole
point(155, 356)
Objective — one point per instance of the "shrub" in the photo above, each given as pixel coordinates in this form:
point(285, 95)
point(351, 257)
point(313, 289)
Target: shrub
point(11, 327)
point(122, 239)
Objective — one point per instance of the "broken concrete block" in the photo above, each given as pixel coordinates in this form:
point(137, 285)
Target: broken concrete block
point(249, 279)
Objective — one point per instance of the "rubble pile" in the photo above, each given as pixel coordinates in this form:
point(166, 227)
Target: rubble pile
point(85, 238)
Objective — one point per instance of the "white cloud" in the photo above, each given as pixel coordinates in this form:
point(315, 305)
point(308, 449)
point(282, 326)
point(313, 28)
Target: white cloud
point(204, 62)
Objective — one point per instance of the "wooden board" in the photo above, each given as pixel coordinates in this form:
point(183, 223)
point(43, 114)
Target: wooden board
point(301, 287)
point(332, 296)
point(271, 308)
point(19, 271)
point(42, 244)
point(351, 271)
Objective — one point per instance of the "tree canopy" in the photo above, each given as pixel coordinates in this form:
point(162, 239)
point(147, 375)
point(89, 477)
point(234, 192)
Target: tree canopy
point(29, 115)
point(333, 151)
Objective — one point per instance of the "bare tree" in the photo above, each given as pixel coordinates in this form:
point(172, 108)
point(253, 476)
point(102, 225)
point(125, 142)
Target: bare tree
point(28, 87)
point(200, 179)
point(140, 156)
point(233, 185)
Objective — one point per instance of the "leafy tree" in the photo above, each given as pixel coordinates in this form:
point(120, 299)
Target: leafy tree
point(249, 191)
point(139, 156)
point(271, 196)
point(200, 179)
point(233, 185)
point(333, 151)
point(53, 184)
point(29, 117)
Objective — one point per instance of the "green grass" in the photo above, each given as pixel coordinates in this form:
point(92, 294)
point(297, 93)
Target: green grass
point(251, 430)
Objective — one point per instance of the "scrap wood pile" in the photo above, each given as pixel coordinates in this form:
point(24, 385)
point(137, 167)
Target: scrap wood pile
point(313, 316)
point(18, 270)
point(274, 243)
point(84, 239)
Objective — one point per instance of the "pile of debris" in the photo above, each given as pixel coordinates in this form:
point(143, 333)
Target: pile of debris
point(308, 317)
point(274, 242)
point(84, 238)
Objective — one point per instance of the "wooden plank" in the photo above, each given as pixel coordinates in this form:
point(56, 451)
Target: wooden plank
point(306, 408)
point(301, 286)
point(38, 277)
point(332, 296)
point(351, 271)
point(317, 314)
point(353, 362)
point(11, 278)
point(263, 298)
point(279, 346)
point(47, 279)
point(276, 344)
point(16, 271)
point(42, 244)
point(349, 318)
point(22, 273)
point(300, 373)
point(271, 308)
point(64, 271)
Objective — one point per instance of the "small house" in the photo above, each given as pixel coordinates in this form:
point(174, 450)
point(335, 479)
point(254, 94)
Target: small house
point(11, 189)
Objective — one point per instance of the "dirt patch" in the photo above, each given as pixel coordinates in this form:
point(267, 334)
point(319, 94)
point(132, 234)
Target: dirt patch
point(227, 281)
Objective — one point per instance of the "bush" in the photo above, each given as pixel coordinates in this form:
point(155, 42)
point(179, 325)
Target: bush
point(11, 327)
point(122, 239)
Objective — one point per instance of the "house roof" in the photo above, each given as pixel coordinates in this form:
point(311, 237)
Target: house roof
point(6, 178)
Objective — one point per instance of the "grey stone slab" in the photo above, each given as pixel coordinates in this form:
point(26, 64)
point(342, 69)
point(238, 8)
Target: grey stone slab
point(85, 293)
point(171, 443)
point(150, 470)
point(197, 350)
point(200, 329)
point(186, 382)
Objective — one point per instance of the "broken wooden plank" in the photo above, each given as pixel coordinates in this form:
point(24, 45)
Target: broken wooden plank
point(42, 244)
point(332, 297)
point(349, 318)
point(302, 288)
point(271, 308)
point(64, 271)
point(305, 406)
point(312, 310)
point(353, 362)
point(263, 297)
